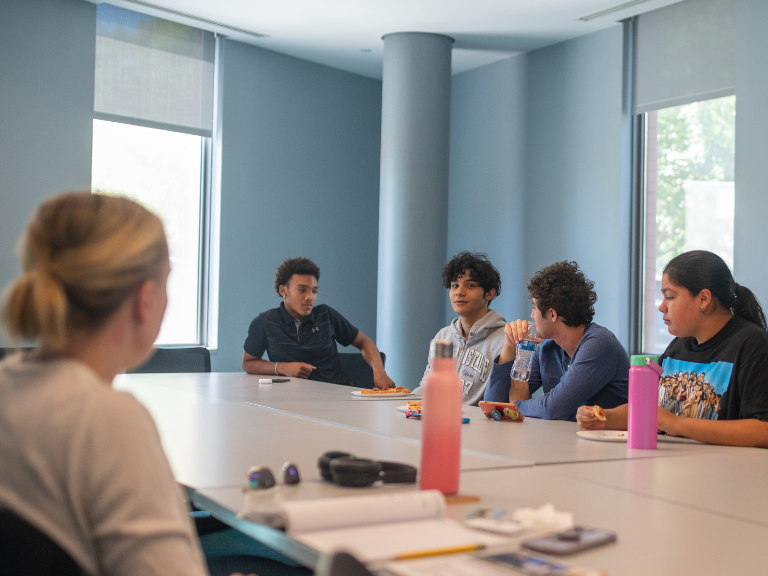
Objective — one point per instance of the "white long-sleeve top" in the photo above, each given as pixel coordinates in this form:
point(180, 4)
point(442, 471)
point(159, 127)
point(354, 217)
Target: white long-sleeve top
point(84, 464)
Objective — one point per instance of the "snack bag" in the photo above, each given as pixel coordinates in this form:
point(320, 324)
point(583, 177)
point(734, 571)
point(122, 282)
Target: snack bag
point(501, 411)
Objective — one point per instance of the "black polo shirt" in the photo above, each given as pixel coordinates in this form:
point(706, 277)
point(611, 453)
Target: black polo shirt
point(314, 342)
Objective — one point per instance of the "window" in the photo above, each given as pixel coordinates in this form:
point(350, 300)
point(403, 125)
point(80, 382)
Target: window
point(689, 195)
point(162, 170)
point(152, 134)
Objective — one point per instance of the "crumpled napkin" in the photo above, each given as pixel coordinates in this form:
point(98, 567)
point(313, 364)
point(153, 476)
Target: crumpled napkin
point(545, 519)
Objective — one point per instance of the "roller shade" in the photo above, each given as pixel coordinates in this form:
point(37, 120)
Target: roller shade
point(684, 53)
point(153, 70)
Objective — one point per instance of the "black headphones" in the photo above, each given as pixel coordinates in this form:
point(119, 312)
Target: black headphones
point(344, 469)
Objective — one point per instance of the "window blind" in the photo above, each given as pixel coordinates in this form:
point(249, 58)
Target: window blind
point(684, 53)
point(153, 70)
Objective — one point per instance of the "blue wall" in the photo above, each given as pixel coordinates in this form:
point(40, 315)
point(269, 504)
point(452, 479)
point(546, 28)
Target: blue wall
point(750, 234)
point(535, 166)
point(46, 109)
point(536, 169)
point(300, 177)
point(487, 199)
point(574, 206)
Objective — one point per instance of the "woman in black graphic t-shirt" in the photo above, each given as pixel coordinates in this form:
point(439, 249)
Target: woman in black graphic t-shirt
point(715, 379)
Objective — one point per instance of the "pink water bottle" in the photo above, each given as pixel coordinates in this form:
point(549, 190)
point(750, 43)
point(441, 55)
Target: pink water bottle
point(441, 422)
point(643, 402)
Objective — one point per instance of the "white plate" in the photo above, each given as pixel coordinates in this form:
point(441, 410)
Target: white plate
point(621, 436)
point(359, 394)
point(604, 435)
point(403, 408)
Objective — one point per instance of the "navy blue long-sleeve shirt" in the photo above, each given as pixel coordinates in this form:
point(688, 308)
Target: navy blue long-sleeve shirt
point(597, 373)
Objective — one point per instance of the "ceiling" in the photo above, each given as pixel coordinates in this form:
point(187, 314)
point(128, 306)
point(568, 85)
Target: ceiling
point(346, 34)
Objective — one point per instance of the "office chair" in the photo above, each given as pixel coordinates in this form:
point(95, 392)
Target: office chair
point(357, 370)
point(5, 352)
point(165, 360)
point(26, 550)
point(247, 564)
point(341, 564)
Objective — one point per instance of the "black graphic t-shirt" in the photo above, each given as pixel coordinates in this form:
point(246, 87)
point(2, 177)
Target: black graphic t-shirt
point(285, 339)
point(724, 378)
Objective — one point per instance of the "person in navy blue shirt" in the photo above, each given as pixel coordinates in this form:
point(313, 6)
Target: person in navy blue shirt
point(300, 338)
point(577, 361)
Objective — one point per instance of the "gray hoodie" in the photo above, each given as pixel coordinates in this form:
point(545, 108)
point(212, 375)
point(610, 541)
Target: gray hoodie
point(474, 355)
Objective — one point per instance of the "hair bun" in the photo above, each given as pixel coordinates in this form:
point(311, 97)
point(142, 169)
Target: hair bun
point(83, 254)
point(36, 306)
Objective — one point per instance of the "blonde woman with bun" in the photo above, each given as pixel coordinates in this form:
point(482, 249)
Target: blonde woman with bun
point(81, 462)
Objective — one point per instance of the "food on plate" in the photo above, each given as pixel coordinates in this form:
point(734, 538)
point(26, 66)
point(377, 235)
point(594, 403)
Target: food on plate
point(414, 406)
point(598, 412)
point(397, 390)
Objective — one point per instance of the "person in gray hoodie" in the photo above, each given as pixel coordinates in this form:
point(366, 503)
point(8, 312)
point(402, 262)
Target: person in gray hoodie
point(478, 333)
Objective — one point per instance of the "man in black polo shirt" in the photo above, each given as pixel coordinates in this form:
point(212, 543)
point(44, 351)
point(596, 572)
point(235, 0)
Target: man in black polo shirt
point(300, 338)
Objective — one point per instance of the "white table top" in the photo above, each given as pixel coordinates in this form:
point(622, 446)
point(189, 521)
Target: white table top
point(729, 485)
point(681, 509)
point(531, 441)
point(213, 443)
point(655, 536)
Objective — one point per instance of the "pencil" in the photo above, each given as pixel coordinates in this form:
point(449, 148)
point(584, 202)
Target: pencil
point(438, 551)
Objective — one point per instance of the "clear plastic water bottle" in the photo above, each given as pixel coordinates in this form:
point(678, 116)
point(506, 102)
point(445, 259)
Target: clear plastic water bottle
point(521, 369)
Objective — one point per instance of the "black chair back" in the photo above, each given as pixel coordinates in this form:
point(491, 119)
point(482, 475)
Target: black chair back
point(357, 370)
point(165, 360)
point(25, 550)
point(341, 564)
point(4, 352)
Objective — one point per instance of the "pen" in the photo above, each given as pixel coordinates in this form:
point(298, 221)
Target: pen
point(417, 416)
point(438, 551)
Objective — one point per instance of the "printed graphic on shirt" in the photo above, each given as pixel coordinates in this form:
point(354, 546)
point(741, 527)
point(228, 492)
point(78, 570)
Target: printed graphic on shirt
point(693, 390)
point(472, 367)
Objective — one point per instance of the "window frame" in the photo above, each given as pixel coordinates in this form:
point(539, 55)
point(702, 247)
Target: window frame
point(204, 221)
point(638, 228)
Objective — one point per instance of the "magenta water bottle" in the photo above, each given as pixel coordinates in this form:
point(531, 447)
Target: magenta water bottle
point(643, 403)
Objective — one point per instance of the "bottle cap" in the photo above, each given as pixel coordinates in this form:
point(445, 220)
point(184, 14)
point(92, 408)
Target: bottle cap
point(639, 359)
point(441, 349)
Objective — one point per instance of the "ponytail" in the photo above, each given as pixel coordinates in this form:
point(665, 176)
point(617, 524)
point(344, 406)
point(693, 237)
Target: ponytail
point(698, 270)
point(746, 306)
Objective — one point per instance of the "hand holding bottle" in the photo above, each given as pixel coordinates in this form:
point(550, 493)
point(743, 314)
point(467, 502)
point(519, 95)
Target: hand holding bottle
point(526, 348)
point(517, 331)
point(514, 333)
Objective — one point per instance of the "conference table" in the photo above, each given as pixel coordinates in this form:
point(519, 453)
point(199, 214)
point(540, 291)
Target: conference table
point(685, 508)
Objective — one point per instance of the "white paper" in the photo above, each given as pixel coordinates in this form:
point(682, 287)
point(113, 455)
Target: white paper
point(387, 541)
point(543, 519)
point(330, 513)
point(456, 565)
point(466, 565)
point(493, 525)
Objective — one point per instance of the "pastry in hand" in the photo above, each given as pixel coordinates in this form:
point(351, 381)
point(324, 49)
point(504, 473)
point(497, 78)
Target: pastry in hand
point(598, 413)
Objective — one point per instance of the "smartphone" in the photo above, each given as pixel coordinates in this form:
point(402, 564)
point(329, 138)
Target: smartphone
point(570, 541)
point(273, 380)
point(521, 562)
